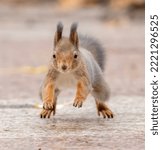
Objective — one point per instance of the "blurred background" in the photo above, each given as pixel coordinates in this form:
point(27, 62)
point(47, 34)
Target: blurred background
point(26, 41)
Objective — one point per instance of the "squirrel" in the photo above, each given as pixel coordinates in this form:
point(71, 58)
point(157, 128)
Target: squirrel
point(76, 61)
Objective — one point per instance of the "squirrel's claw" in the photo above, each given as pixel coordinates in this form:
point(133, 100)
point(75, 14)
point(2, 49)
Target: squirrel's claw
point(46, 113)
point(78, 103)
point(106, 113)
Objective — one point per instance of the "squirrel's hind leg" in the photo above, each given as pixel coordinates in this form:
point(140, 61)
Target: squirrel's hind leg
point(101, 94)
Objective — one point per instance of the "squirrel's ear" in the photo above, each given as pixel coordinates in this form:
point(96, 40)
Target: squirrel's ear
point(74, 35)
point(58, 34)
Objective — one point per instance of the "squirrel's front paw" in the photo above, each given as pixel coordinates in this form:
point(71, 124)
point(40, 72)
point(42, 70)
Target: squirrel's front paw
point(78, 102)
point(48, 105)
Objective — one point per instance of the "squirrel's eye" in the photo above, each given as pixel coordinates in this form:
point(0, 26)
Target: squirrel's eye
point(54, 56)
point(75, 56)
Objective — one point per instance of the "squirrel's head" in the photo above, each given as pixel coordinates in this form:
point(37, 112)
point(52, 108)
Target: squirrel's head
point(66, 55)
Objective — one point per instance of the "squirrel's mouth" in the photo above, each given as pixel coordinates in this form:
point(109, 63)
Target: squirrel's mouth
point(64, 71)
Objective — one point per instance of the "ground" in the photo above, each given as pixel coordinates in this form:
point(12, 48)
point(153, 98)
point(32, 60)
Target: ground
point(26, 41)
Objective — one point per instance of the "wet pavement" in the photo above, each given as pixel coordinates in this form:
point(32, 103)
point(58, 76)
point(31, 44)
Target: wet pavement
point(26, 40)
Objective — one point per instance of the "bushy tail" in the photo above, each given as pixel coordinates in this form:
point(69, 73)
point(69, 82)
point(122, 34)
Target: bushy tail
point(94, 47)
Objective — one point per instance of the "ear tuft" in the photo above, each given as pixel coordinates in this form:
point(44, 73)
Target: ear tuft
point(58, 34)
point(73, 35)
point(74, 27)
point(59, 27)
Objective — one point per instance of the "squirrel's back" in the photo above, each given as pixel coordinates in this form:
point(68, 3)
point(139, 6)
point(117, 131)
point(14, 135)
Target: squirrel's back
point(94, 47)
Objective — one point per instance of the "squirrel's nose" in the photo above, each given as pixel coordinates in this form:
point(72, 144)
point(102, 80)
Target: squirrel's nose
point(64, 67)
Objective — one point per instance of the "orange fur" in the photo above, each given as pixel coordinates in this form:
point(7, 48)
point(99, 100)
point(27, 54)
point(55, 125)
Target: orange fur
point(81, 94)
point(48, 94)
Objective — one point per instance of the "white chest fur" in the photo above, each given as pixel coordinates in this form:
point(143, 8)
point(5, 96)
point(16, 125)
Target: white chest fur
point(66, 80)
